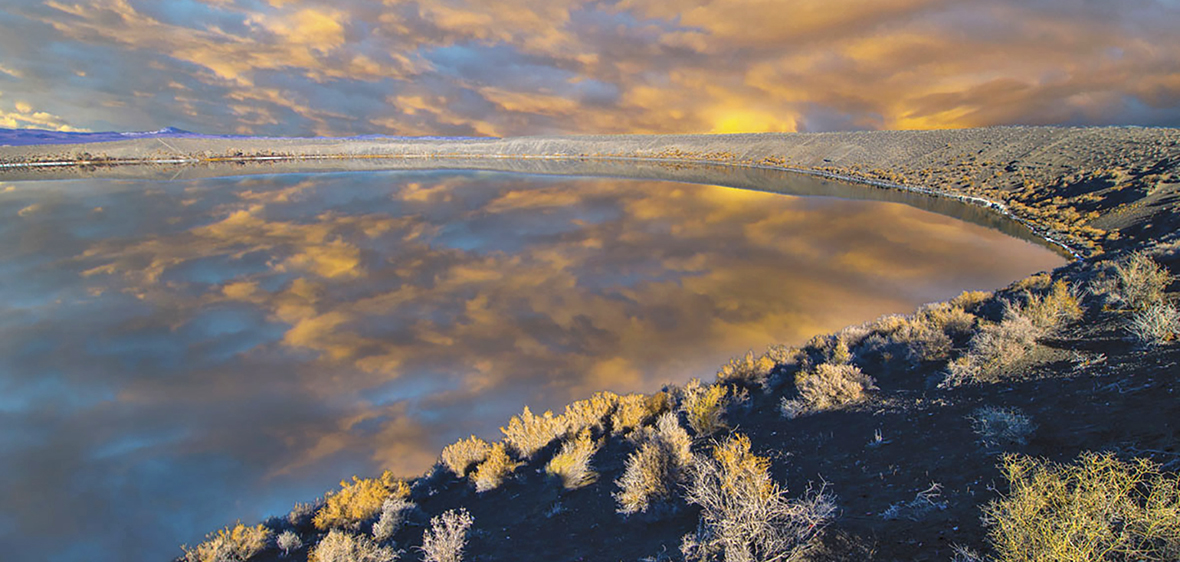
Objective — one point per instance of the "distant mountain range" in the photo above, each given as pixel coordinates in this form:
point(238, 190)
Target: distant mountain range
point(24, 137)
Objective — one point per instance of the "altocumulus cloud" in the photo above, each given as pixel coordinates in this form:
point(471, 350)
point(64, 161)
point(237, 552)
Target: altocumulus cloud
point(463, 67)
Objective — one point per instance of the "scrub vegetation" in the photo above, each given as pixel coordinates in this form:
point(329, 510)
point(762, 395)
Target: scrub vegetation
point(1029, 423)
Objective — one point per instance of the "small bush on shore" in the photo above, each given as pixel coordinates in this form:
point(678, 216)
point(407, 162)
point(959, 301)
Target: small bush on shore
point(1141, 281)
point(995, 351)
point(239, 543)
point(1155, 325)
point(572, 463)
point(341, 546)
point(656, 468)
point(1054, 309)
point(529, 433)
point(491, 472)
point(1096, 509)
point(745, 515)
point(827, 388)
point(460, 455)
point(359, 500)
point(704, 406)
point(446, 538)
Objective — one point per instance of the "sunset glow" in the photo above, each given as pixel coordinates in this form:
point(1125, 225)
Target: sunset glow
point(460, 67)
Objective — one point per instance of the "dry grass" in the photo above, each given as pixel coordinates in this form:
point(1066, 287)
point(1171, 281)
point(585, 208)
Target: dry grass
point(491, 472)
point(237, 543)
point(529, 433)
point(1096, 509)
point(359, 500)
point(654, 470)
point(572, 463)
point(746, 370)
point(745, 515)
point(704, 406)
point(828, 387)
point(460, 455)
point(447, 536)
point(342, 546)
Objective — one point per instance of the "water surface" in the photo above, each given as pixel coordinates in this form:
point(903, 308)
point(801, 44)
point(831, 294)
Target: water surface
point(178, 355)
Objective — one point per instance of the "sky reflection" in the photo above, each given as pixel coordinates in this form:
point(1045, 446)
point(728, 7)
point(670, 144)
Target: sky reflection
point(176, 355)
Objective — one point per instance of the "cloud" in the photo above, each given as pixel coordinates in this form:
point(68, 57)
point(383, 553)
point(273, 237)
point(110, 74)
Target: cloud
point(529, 67)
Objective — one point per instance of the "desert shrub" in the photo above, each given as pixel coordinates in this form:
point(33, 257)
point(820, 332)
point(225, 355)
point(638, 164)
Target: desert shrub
point(230, 545)
point(999, 428)
point(460, 455)
point(341, 546)
point(529, 433)
point(632, 411)
point(826, 388)
point(447, 536)
point(572, 463)
point(781, 354)
point(491, 472)
point(302, 513)
point(288, 541)
point(392, 515)
point(704, 406)
point(746, 370)
point(1141, 281)
point(745, 515)
point(1055, 308)
point(653, 471)
point(1096, 509)
point(1156, 324)
point(591, 413)
point(1037, 282)
point(949, 318)
point(970, 300)
point(995, 351)
point(359, 500)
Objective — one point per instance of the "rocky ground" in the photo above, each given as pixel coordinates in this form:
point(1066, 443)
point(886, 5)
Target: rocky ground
point(908, 467)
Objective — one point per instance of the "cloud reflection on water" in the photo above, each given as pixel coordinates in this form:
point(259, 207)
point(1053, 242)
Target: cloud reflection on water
point(177, 355)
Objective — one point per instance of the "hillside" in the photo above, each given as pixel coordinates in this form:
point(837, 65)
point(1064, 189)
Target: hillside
point(881, 442)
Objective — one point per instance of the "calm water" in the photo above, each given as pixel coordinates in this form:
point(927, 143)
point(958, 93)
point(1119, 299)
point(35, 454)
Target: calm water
point(178, 355)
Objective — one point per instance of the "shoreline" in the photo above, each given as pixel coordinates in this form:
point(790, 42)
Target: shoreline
point(1032, 175)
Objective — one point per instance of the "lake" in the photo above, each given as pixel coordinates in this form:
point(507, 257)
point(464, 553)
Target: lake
point(176, 355)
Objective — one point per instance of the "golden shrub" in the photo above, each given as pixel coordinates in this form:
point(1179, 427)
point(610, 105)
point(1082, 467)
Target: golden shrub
point(342, 546)
point(572, 463)
point(529, 433)
point(490, 473)
point(591, 413)
point(747, 370)
point(704, 406)
point(359, 500)
point(1054, 309)
point(828, 387)
point(654, 470)
point(1096, 509)
point(237, 543)
point(460, 455)
point(1141, 280)
point(631, 412)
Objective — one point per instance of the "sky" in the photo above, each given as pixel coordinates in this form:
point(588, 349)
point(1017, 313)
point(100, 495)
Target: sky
point(522, 67)
point(176, 356)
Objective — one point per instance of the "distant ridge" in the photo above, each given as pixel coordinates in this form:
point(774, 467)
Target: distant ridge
point(30, 137)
